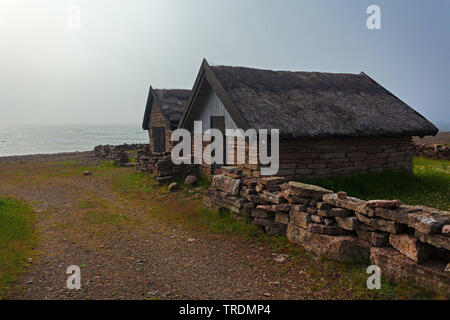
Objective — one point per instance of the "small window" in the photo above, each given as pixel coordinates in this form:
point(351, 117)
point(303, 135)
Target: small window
point(159, 139)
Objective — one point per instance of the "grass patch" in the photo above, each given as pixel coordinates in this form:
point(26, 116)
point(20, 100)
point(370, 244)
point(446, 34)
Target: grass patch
point(343, 279)
point(17, 239)
point(429, 184)
point(98, 216)
point(134, 182)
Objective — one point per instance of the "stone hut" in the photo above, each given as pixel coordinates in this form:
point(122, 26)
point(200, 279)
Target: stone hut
point(330, 124)
point(162, 114)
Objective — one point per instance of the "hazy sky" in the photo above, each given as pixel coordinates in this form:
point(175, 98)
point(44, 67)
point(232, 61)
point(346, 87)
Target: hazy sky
point(102, 71)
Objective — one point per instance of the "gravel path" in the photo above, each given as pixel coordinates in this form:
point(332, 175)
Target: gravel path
point(137, 256)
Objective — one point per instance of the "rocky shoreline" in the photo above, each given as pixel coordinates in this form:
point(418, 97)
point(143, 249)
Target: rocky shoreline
point(76, 155)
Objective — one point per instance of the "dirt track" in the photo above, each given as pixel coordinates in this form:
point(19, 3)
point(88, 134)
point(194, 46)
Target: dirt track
point(135, 256)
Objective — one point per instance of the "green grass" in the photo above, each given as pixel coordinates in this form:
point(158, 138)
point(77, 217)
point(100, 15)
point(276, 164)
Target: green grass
point(182, 208)
point(96, 216)
point(428, 185)
point(17, 239)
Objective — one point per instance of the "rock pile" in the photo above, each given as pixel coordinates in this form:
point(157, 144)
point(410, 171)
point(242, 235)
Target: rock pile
point(414, 239)
point(436, 151)
point(159, 165)
point(116, 153)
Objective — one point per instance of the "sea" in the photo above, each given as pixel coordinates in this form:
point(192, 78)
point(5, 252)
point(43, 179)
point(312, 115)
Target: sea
point(45, 139)
point(26, 139)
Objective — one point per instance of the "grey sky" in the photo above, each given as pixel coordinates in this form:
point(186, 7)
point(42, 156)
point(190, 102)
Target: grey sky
point(101, 72)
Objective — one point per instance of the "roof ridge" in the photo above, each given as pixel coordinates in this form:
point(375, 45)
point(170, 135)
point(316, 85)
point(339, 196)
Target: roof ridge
point(286, 71)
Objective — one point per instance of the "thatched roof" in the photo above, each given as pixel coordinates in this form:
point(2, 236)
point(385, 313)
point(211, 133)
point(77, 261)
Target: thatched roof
point(171, 102)
point(313, 104)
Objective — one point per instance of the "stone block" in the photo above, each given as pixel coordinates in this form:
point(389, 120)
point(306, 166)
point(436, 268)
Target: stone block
point(349, 203)
point(312, 210)
point(446, 230)
point(381, 224)
point(272, 197)
point(423, 219)
point(347, 223)
point(377, 239)
point(258, 213)
point(282, 217)
point(300, 219)
point(335, 212)
point(307, 190)
point(323, 205)
point(226, 184)
point(340, 248)
point(384, 204)
point(328, 230)
point(436, 240)
point(408, 245)
point(269, 181)
point(396, 266)
point(317, 219)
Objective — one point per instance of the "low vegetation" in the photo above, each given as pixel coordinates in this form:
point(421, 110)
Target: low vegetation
point(428, 185)
point(184, 208)
point(17, 240)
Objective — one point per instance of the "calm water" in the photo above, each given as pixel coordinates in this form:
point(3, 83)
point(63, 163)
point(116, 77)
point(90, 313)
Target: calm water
point(35, 139)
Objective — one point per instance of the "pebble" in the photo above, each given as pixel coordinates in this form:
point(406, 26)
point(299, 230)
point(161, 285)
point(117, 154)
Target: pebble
point(280, 258)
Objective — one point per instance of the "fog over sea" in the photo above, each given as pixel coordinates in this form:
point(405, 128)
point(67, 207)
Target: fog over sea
point(42, 139)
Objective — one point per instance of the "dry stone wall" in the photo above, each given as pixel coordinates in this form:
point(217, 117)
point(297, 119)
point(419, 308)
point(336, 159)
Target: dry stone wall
point(160, 165)
point(118, 153)
point(436, 151)
point(406, 242)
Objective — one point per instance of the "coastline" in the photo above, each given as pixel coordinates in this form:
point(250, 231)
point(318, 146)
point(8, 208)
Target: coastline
point(74, 155)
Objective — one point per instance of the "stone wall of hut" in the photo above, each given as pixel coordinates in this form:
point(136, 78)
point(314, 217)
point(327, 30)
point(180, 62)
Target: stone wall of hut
point(157, 120)
point(305, 158)
point(330, 157)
